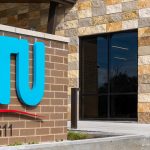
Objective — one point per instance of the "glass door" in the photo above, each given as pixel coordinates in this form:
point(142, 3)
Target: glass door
point(108, 76)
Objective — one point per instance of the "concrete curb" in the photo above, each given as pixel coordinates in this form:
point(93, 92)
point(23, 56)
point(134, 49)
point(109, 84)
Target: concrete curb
point(110, 143)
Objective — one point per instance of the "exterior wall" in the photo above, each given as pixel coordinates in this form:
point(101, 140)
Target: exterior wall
point(25, 15)
point(53, 126)
point(89, 17)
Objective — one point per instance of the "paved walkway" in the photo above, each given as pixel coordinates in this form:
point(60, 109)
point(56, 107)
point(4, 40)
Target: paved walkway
point(132, 128)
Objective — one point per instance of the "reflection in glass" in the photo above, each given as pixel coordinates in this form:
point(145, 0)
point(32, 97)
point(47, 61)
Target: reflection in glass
point(123, 62)
point(102, 64)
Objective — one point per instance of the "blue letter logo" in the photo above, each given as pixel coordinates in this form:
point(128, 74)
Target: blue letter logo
point(20, 48)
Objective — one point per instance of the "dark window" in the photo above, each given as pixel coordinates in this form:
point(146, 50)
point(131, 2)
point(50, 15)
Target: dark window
point(108, 76)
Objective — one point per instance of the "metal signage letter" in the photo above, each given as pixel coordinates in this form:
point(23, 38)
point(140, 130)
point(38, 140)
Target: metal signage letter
point(28, 96)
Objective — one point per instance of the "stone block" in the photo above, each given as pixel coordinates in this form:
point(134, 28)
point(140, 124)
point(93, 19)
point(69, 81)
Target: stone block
point(72, 15)
point(129, 6)
point(73, 82)
point(144, 117)
point(73, 65)
point(71, 24)
point(72, 48)
point(130, 24)
point(112, 2)
point(144, 41)
point(114, 17)
point(144, 97)
point(143, 88)
point(73, 57)
point(143, 4)
point(99, 20)
point(144, 50)
point(144, 12)
point(98, 11)
point(114, 8)
point(144, 79)
point(144, 22)
point(85, 13)
point(92, 29)
point(130, 15)
point(142, 32)
point(98, 8)
point(143, 107)
point(116, 26)
point(98, 3)
point(84, 5)
point(143, 69)
point(73, 74)
point(144, 60)
point(85, 22)
point(71, 32)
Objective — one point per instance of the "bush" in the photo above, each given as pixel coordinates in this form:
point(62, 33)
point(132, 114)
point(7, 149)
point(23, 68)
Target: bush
point(76, 136)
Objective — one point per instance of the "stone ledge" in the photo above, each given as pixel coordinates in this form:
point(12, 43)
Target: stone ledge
point(33, 33)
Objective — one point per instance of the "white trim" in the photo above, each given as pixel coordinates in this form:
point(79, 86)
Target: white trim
point(33, 33)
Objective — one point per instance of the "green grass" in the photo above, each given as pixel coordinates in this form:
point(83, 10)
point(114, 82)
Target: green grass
point(76, 136)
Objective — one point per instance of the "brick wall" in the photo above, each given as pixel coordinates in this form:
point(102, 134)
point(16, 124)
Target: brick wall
point(53, 127)
point(25, 15)
point(89, 17)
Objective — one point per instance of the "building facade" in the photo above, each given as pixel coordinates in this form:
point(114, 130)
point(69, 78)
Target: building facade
point(121, 29)
point(101, 18)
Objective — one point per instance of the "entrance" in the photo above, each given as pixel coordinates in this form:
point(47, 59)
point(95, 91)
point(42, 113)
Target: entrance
point(108, 76)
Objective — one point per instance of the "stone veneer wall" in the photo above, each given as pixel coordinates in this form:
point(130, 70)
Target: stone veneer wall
point(53, 126)
point(89, 17)
point(25, 15)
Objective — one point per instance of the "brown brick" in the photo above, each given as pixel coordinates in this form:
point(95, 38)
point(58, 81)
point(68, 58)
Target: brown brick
point(56, 116)
point(3, 141)
point(56, 73)
point(32, 124)
point(57, 59)
point(60, 108)
point(17, 140)
point(61, 53)
point(33, 139)
point(63, 67)
point(56, 101)
point(60, 95)
point(47, 108)
point(26, 132)
point(60, 137)
point(57, 130)
point(47, 124)
point(47, 138)
point(61, 81)
point(56, 44)
point(60, 123)
point(42, 131)
point(57, 87)
point(17, 124)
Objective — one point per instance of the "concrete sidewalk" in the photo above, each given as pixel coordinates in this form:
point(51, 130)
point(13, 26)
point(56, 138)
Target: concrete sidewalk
point(128, 128)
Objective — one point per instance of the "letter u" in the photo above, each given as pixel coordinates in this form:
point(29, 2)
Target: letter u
point(28, 96)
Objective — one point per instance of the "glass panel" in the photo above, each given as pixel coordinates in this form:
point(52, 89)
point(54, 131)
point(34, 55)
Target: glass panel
point(90, 107)
point(103, 106)
point(124, 106)
point(102, 64)
point(89, 66)
point(123, 62)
